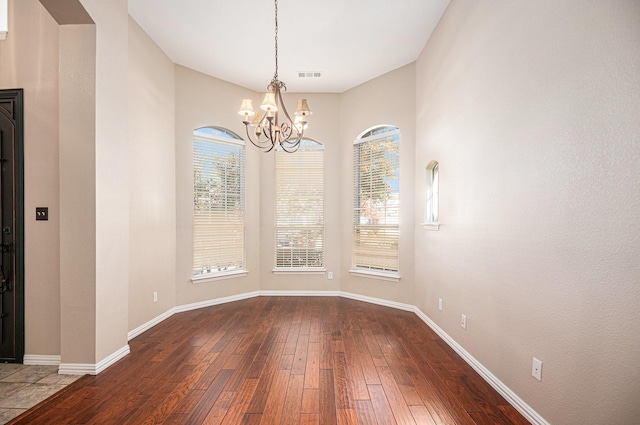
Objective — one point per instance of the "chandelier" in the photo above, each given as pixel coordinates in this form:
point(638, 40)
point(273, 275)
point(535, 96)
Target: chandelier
point(275, 127)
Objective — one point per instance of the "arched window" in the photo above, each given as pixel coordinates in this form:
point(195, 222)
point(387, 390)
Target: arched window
point(376, 168)
point(218, 203)
point(432, 196)
point(299, 184)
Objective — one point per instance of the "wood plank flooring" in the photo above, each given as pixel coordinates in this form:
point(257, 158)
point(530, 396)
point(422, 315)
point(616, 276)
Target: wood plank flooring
point(283, 360)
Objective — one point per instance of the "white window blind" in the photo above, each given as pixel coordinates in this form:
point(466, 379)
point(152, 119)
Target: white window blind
point(299, 184)
point(376, 200)
point(218, 202)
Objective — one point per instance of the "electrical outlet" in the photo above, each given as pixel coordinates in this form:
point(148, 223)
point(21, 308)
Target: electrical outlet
point(536, 369)
point(463, 321)
point(440, 304)
point(329, 275)
point(155, 297)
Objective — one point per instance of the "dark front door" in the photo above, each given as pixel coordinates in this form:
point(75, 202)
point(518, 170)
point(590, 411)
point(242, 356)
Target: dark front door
point(11, 227)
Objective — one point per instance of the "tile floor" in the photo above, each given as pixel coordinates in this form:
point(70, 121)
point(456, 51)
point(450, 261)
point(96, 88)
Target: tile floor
point(22, 387)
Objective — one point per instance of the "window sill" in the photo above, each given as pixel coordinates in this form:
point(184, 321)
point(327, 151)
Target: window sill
point(300, 270)
point(388, 276)
point(210, 277)
point(431, 226)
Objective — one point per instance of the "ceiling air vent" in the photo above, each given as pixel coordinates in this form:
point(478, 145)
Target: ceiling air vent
point(309, 74)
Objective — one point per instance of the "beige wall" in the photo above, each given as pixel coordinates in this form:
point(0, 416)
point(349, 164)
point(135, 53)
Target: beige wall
point(531, 108)
point(33, 30)
point(77, 194)
point(152, 179)
point(112, 174)
point(387, 100)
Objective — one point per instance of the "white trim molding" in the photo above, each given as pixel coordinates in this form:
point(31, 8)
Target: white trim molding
point(519, 404)
point(431, 226)
point(41, 360)
point(389, 277)
point(216, 301)
point(377, 301)
point(212, 277)
point(187, 307)
point(77, 369)
point(150, 324)
point(93, 369)
point(513, 399)
point(300, 270)
point(273, 293)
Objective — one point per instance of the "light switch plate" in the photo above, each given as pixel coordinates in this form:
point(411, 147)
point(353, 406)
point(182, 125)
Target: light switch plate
point(42, 213)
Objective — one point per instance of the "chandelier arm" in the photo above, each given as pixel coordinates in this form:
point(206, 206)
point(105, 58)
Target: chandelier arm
point(286, 131)
point(268, 131)
point(294, 148)
point(265, 145)
point(294, 143)
point(257, 145)
point(270, 148)
point(267, 128)
point(290, 123)
point(271, 134)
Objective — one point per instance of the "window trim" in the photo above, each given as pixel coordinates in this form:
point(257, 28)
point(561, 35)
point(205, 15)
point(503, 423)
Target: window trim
point(392, 276)
point(375, 274)
point(221, 275)
point(431, 211)
point(395, 132)
point(431, 226)
point(232, 140)
point(299, 270)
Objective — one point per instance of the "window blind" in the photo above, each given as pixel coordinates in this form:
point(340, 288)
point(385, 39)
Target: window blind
point(376, 200)
point(218, 202)
point(299, 181)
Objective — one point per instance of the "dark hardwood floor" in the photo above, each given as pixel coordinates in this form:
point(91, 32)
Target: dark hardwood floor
point(283, 360)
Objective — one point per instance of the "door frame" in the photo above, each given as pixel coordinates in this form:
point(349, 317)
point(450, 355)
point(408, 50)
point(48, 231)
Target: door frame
point(16, 98)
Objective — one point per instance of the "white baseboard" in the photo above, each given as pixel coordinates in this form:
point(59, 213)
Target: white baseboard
point(216, 301)
point(111, 359)
point(150, 324)
point(513, 399)
point(378, 301)
point(93, 369)
point(357, 297)
point(274, 293)
point(41, 360)
point(526, 410)
point(77, 369)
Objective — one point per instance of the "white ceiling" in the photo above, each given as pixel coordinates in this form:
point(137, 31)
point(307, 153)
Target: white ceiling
point(348, 41)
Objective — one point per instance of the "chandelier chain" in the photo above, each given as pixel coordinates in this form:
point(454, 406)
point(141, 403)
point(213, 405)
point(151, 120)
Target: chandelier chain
point(275, 75)
point(275, 128)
